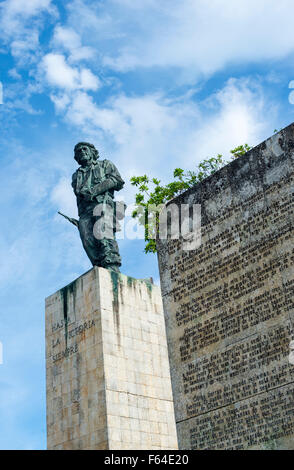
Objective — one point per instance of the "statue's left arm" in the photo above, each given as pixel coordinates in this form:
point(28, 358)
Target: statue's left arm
point(112, 180)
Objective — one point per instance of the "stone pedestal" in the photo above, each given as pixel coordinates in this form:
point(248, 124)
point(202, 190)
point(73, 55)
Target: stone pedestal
point(108, 377)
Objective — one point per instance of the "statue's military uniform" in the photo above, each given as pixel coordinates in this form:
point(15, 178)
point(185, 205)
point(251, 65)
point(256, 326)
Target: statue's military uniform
point(85, 181)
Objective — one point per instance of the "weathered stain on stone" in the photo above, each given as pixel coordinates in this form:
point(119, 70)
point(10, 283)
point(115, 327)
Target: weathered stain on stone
point(65, 292)
point(130, 281)
point(149, 287)
point(116, 280)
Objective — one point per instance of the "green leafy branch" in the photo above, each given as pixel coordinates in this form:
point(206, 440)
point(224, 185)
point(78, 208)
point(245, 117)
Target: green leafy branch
point(151, 193)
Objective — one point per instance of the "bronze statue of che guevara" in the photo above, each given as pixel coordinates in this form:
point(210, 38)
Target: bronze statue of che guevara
point(94, 184)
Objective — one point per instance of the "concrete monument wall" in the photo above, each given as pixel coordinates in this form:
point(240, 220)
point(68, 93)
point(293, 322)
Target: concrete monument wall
point(229, 305)
point(108, 376)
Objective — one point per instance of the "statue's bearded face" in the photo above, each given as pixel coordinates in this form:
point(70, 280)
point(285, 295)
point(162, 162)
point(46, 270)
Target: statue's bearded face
point(84, 155)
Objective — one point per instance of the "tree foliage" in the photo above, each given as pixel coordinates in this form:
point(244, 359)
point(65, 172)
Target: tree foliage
point(152, 193)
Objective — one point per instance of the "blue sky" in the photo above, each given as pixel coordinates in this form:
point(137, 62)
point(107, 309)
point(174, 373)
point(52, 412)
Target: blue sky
point(155, 85)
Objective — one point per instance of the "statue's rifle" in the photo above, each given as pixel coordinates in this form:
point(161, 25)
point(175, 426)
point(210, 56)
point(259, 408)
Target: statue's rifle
point(70, 219)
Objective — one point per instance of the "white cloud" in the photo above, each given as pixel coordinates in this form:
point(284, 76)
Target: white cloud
point(236, 116)
point(66, 37)
point(20, 24)
point(25, 8)
point(68, 40)
point(155, 135)
point(25, 46)
point(17, 97)
point(60, 101)
point(61, 75)
point(13, 73)
point(16, 13)
point(195, 37)
point(88, 81)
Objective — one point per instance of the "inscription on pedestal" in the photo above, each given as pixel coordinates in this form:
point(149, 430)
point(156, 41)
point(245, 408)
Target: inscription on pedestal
point(229, 306)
